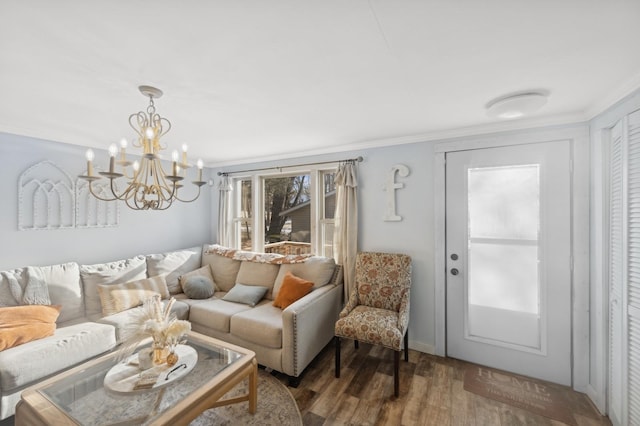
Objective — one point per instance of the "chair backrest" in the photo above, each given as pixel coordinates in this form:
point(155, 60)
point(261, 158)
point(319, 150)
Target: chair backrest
point(382, 279)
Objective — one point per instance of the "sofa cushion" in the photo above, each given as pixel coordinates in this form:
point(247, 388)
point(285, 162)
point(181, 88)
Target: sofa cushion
point(23, 324)
point(63, 283)
point(119, 297)
point(215, 313)
point(258, 274)
point(125, 321)
point(68, 346)
point(116, 272)
point(316, 269)
point(292, 289)
point(223, 269)
point(174, 264)
point(247, 294)
point(261, 325)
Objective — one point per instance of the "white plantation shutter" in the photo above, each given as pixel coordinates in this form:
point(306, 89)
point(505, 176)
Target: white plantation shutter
point(633, 268)
point(624, 276)
point(616, 281)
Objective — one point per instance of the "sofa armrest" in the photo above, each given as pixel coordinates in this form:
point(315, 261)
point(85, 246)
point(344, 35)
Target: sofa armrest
point(307, 327)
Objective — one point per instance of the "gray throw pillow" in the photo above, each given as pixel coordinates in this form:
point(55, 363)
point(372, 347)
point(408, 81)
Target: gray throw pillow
point(247, 294)
point(198, 287)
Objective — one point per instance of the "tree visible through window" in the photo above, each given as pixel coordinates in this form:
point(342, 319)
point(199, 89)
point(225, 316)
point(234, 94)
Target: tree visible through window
point(287, 209)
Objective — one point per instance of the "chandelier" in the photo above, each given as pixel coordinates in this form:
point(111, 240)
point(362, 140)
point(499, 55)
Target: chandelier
point(149, 186)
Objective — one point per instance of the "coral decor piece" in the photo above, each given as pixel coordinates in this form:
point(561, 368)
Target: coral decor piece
point(156, 321)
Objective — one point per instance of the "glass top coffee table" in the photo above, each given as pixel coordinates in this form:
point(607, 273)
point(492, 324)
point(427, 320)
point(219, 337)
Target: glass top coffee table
point(78, 396)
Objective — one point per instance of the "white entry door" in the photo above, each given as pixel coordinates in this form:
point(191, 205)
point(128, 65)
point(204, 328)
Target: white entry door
point(508, 236)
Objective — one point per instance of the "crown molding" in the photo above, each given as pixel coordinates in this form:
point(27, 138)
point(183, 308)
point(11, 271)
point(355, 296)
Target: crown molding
point(497, 127)
point(614, 96)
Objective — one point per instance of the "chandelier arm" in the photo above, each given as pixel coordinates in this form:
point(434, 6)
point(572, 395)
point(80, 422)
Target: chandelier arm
point(114, 192)
point(168, 204)
point(161, 177)
point(131, 191)
point(141, 120)
point(133, 205)
point(191, 200)
point(97, 196)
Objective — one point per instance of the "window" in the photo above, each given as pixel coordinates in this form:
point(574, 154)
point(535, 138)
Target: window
point(290, 213)
point(242, 223)
point(328, 210)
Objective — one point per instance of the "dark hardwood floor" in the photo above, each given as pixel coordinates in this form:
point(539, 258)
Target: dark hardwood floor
point(431, 393)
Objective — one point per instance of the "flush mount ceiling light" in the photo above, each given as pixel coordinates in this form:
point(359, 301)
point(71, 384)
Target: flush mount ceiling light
point(517, 105)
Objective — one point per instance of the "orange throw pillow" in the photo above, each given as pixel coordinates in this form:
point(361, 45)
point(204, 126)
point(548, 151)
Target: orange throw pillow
point(292, 289)
point(22, 324)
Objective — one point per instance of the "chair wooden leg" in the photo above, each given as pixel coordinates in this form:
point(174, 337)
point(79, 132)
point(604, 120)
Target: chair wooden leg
point(406, 346)
point(396, 373)
point(356, 344)
point(337, 342)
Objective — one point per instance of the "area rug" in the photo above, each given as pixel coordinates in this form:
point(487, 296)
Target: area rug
point(529, 394)
point(276, 406)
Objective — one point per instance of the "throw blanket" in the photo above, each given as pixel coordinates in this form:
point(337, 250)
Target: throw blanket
point(35, 291)
point(273, 258)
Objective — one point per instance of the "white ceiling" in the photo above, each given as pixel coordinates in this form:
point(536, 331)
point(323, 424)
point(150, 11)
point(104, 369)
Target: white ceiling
point(256, 79)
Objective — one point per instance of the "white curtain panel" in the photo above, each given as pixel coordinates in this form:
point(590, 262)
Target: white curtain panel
point(224, 232)
point(345, 238)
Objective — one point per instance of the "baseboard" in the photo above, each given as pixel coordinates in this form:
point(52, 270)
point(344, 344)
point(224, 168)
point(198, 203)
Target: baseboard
point(422, 347)
point(597, 399)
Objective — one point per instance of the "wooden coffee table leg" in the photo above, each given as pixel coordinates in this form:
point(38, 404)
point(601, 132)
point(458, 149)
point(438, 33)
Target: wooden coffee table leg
point(253, 387)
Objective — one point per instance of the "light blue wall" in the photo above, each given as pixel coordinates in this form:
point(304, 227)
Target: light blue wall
point(414, 235)
point(138, 232)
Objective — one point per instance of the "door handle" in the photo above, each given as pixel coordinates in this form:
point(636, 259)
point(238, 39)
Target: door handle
point(454, 271)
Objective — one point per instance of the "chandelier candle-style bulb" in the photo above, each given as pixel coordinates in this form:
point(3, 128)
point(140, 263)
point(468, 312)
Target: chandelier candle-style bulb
point(200, 164)
point(90, 156)
point(113, 150)
point(184, 155)
point(123, 149)
point(174, 157)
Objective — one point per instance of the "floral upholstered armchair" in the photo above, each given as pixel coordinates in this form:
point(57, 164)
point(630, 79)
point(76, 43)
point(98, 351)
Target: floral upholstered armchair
point(377, 312)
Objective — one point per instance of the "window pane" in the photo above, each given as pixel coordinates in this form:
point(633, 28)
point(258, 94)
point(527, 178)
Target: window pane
point(503, 277)
point(287, 213)
point(329, 190)
point(327, 239)
point(504, 202)
point(245, 215)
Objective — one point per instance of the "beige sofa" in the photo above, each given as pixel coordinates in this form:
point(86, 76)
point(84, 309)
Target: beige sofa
point(285, 340)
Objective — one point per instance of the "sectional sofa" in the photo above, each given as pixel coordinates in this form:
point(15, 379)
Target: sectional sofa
point(285, 340)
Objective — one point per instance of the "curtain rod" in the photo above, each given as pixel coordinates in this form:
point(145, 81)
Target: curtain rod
point(357, 159)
